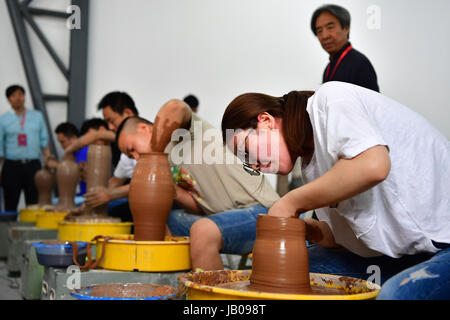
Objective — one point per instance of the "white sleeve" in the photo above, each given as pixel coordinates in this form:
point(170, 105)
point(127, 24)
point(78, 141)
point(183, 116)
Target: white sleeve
point(125, 167)
point(349, 129)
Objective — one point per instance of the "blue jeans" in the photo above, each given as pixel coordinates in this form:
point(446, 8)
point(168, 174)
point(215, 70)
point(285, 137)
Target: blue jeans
point(420, 276)
point(429, 280)
point(238, 226)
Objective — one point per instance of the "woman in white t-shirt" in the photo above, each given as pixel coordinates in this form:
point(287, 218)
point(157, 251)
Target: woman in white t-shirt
point(376, 173)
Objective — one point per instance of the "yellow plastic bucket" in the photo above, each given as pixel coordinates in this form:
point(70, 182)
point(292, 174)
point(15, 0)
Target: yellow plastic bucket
point(86, 231)
point(124, 254)
point(202, 286)
point(49, 220)
point(29, 215)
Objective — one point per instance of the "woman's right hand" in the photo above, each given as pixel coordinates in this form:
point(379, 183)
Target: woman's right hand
point(283, 208)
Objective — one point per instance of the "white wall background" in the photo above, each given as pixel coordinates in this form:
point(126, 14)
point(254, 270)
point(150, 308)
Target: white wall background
point(216, 49)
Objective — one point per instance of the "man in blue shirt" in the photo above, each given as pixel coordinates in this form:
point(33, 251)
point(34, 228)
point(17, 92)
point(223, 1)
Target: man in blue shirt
point(66, 134)
point(23, 139)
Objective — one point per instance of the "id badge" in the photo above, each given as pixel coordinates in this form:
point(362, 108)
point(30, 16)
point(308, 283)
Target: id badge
point(22, 139)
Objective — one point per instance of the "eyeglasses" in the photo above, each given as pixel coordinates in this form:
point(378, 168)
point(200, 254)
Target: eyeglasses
point(246, 162)
point(248, 168)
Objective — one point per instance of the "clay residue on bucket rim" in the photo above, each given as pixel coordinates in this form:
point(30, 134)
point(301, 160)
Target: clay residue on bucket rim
point(212, 278)
point(54, 243)
point(91, 219)
point(238, 280)
point(131, 290)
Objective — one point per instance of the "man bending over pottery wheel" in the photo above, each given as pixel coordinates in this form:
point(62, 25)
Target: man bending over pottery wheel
point(219, 202)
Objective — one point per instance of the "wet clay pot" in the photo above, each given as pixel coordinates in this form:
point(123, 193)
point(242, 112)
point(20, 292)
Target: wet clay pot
point(98, 172)
point(280, 258)
point(151, 196)
point(44, 181)
point(67, 177)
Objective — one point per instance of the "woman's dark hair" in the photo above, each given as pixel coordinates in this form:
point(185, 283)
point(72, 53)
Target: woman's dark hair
point(191, 100)
point(11, 89)
point(242, 113)
point(94, 123)
point(68, 129)
point(118, 101)
point(339, 12)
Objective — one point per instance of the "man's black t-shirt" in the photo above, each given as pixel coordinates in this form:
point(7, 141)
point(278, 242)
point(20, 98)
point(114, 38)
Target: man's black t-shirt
point(354, 68)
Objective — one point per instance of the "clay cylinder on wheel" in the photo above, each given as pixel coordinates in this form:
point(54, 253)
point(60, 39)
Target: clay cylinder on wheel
point(151, 196)
point(67, 177)
point(98, 172)
point(44, 181)
point(280, 257)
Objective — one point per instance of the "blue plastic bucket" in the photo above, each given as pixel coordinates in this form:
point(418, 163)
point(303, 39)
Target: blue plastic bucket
point(59, 255)
point(8, 215)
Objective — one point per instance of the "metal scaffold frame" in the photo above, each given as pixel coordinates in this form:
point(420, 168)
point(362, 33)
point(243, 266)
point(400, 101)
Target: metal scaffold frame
point(20, 12)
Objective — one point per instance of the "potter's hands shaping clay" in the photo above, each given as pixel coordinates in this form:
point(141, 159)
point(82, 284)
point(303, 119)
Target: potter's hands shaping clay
point(103, 195)
point(97, 198)
point(317, 232)
point(283, 208)
point(173, 115)
point(51, 163)
point(90, 138)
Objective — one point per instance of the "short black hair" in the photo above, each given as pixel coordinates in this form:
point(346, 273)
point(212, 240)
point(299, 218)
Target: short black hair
point(118, 101)
point(339, 12)
point(68, 129)
point(191, 100)
point(11, 89)
point(123, 124)
point(94, 123)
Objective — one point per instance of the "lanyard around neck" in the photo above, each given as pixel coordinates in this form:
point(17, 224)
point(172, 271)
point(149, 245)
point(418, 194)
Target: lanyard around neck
point(22, 122)
point(343, 54)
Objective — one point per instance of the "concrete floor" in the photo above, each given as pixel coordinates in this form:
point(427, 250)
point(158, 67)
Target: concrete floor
point(9, 287)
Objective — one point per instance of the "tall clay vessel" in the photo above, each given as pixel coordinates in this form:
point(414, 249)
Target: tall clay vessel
point(280, 258)
point(151, 196)
point(67, 177)
point(44, 181)
point(98, 172)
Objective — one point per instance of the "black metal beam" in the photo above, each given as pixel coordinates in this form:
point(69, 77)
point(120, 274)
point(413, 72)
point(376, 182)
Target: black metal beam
point(55, 97)
point(76, 112)
point(26, 2)
point(76, 73)
point(29, 65)
point(49, 13)
point(45, 42)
